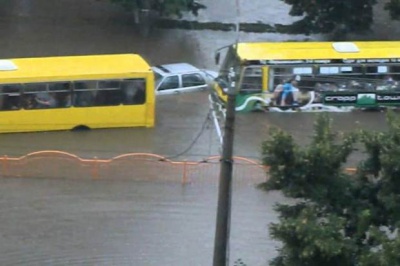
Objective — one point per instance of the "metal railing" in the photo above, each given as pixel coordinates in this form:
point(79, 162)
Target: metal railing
point(131, 166)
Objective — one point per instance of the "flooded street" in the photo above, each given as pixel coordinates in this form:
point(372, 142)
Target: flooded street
point(98, 222)
point(123, 223)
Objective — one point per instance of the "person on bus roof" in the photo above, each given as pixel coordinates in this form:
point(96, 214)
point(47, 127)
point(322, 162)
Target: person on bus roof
point(290, 92)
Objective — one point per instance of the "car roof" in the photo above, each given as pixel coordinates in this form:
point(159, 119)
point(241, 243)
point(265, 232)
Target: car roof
point(177, 68)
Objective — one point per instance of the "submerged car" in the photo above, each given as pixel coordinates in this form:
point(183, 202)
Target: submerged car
point(181, 77)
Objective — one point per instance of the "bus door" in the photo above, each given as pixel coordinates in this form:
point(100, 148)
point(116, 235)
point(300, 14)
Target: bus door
point(267, 89)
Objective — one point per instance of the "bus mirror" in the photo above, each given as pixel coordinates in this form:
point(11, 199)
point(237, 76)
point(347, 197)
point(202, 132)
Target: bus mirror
point(217, 56)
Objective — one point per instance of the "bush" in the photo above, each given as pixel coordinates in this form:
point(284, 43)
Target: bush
point(338, 218)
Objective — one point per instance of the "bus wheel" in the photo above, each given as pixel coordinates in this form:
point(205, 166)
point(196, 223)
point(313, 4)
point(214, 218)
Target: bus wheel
point(81, 128)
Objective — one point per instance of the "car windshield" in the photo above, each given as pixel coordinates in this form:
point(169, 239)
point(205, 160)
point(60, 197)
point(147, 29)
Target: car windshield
point(158, 78)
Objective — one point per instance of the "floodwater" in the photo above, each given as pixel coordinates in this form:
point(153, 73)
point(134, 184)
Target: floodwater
point(81, 222)
point(76, 222)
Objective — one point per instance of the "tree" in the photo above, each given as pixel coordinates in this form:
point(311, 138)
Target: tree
point(338, 218)
point(337, 17)
point(145, 12)
point(162, 7)
point(393, 6)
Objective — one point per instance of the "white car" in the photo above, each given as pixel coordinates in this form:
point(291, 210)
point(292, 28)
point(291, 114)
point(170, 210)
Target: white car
point(181, 77)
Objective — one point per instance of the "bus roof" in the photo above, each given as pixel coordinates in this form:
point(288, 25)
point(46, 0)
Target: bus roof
point(316, 50)
point(73, 67)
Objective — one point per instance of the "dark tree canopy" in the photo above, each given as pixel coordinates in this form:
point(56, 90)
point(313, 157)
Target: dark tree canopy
point(331, 16)
point(339, 218)
point(393, 6)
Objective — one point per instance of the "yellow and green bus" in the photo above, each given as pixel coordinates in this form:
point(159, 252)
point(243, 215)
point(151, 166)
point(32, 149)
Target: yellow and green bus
point(327, 76)
point(76, 92)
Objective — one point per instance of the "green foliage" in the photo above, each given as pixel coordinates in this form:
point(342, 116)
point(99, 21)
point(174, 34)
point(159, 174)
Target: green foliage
point(338, 218)
point(162, 7)
point(327, 16)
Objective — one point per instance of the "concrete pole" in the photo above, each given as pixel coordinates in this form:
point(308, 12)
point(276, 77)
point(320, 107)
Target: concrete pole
point(221, 245)
point(221, 257)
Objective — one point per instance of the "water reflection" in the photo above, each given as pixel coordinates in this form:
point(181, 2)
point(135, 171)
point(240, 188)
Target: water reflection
point(126, 223)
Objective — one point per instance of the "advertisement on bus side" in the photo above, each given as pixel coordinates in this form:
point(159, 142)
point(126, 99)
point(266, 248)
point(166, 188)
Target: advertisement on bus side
point(362, 99)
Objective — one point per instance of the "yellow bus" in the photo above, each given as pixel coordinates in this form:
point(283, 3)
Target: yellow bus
point(309, 76)
point(76, 92)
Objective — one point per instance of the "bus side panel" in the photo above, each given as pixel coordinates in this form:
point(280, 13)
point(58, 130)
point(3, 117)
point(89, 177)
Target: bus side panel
point(150, 100)
point(69, 118)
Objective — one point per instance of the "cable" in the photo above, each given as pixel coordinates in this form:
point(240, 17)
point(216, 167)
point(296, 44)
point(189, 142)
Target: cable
point(203, 127)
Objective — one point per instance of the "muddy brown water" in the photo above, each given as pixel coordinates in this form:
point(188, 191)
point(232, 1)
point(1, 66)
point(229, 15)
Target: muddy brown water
point(86, 222)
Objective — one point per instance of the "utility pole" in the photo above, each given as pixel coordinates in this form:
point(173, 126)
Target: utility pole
point(221, 257)
point(221, 244)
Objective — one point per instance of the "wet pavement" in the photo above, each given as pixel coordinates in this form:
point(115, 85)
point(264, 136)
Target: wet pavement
point(81, 222)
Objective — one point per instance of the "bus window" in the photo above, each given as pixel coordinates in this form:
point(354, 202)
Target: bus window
point(329, 70)
point(108, 93)
point(382, 69)
point(10, 95)
point(373, 73)
point(62, 93)
point(379, 75)
point(395, 72)
point(134, 91)
point(302, 70)
point(371, 70)
point(83, 94)
point(282, 71)
point(37, 96)
point(252, 80)
point(346, 69)
point(281, 75)
point(2, 97)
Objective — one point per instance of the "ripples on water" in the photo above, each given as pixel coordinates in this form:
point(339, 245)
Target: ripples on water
point(127, 223)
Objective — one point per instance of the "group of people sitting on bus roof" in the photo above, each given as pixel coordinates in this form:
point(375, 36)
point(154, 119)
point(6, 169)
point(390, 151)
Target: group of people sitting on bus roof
point(287, 93)
point(388, 84)
point(356, 84)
